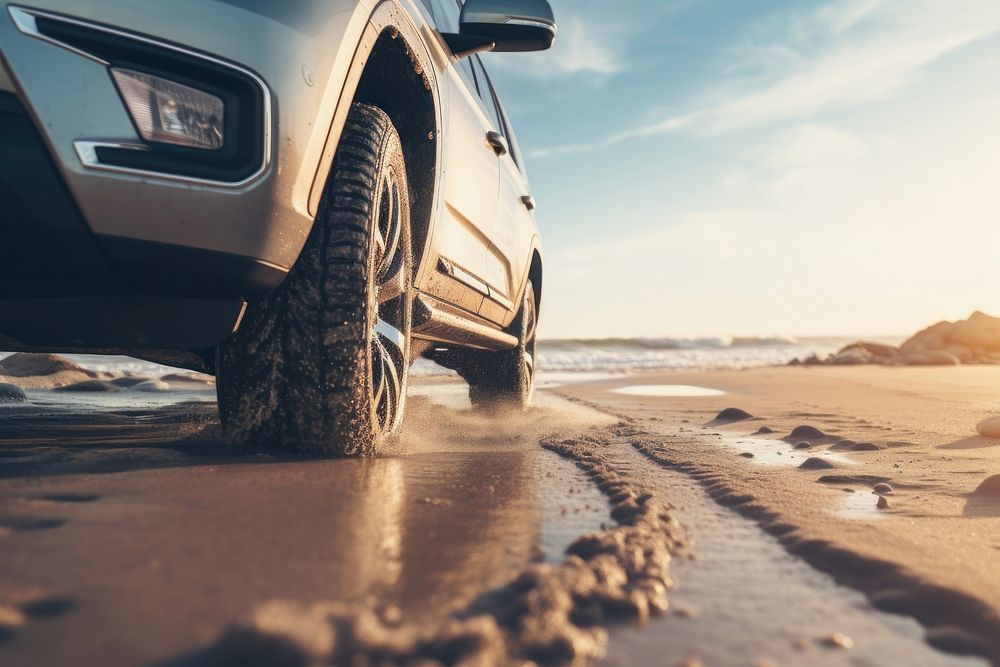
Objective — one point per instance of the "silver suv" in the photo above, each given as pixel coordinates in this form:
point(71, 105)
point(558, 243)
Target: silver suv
point(301, 197)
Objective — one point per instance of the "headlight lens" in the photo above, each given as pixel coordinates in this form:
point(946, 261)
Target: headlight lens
point(170, 112)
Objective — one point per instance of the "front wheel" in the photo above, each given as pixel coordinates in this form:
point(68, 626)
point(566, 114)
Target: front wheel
point(506, 379)
point(320, 366)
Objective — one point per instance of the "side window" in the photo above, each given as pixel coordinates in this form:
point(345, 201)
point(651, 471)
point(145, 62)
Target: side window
point(515, 149)
point(447, 14)
point(486, 94)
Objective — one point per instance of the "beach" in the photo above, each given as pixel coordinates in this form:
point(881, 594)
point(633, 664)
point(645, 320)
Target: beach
point(834, 515)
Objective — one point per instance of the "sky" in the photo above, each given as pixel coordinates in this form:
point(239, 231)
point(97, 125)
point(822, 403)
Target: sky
point(723, 167)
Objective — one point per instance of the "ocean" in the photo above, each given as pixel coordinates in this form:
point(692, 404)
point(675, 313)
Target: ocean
point(604, 355)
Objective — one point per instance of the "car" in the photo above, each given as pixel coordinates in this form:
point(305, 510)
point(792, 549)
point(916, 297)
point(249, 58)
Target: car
point(299, 197)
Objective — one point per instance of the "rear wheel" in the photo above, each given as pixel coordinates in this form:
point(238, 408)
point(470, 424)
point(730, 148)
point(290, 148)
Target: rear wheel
point(505, 379)
point(320, 366)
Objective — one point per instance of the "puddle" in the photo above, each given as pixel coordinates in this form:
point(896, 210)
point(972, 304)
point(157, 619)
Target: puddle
point(668, 390)
point(860, 506)
point(551, 379)
point(780, 453)
point(570, 505)
point(744, 600)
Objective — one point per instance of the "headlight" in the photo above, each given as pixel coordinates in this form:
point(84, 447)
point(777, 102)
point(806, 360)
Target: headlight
point(170, 112)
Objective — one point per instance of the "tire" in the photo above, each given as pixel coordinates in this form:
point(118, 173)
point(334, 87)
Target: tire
point(506, 380)
point(320, 366)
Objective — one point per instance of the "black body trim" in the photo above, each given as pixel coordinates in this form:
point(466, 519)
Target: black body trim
point(242, 153)
point(46, 248)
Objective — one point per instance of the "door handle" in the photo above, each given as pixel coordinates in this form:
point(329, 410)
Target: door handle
point(497, 143)
point(529, 202)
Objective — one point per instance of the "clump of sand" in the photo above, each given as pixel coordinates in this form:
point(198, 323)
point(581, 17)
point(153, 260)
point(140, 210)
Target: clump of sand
point(975, 340)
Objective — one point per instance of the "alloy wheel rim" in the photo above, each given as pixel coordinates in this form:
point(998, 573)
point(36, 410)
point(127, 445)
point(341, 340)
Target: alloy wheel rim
point(388, 351)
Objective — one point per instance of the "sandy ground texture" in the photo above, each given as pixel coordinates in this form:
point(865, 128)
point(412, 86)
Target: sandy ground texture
point(130, 534)
point(876, 475)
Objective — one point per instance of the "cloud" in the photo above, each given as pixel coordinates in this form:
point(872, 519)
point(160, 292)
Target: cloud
point(873, 51)
point(816, 145)
point(588, 42)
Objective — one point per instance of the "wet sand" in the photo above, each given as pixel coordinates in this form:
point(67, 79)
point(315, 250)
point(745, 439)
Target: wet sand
point(932, 551)
point(132, 536)
point(142, 537)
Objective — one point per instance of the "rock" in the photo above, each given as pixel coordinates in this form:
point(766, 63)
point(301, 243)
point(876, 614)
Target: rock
point(989, 428)
point(931, 338)
point(42, 371)
point(883, 503)
point(931, 358)
point(763, 430)
point(876, 351)
point(852, 356)
point(192, 378)
point(11, 393)
point(152, 386)
point(962, 353)
point(129, 381)
point(816, 463)
point(837, 640)
point(882, 488)
point(747, 455)
point(733, 415)
point(812, 360)
point(805, 444)
point(810, 432)
point(24, 364)
point(865, 447)
point(974, 340)
point(91, 386)
point(990, 488)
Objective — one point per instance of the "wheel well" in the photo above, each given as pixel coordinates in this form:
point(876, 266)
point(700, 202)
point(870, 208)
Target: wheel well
point(393, 80)
point(535, 276)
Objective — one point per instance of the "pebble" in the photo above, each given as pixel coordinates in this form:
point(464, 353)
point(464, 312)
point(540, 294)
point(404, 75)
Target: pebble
point(882, 488)
point(747, 455)
point(153, 386)
point(764, 430)
point(807, 432)
point(805, 444)
point(883, 503)
point(815, 463)
point(11, 393)
point(837, 640)
point(732, 415)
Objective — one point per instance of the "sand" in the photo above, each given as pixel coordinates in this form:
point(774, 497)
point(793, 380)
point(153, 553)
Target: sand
point(932, 550)
point(135, 536)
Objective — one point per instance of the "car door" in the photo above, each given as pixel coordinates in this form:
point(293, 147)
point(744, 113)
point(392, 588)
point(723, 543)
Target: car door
point(510, 240)
point(471, 180)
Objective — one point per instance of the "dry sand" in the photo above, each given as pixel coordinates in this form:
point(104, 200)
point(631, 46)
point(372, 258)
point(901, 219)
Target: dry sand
point(932, 551)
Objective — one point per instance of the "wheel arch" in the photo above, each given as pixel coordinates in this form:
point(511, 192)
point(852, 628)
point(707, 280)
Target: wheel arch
point(393, 70)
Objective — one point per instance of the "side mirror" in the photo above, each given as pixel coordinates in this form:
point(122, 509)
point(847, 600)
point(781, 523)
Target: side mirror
point(504, 26)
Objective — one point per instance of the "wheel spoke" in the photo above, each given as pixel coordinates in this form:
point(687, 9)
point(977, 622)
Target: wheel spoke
point(378, 373)
point(391, 335)
point(391, 288)
point(387, 398)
